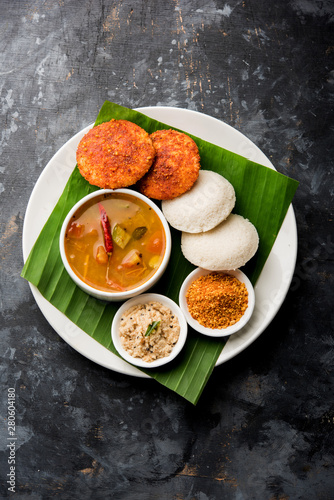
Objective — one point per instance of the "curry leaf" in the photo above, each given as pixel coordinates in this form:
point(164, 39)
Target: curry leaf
point(152, 327)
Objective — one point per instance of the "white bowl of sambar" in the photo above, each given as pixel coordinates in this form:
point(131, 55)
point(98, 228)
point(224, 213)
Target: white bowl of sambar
point(115, 244)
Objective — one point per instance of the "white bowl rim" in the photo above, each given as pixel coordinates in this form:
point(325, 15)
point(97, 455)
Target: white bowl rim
point(142, 299)
point(116, 296)
point(217, 332)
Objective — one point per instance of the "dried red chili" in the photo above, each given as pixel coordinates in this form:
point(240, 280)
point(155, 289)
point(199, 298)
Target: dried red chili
point(106, 230)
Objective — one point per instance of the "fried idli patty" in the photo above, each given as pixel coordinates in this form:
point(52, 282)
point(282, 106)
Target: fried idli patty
point(115, 154)
point(175, 168)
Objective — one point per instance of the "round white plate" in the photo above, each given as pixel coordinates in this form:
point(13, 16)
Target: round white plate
point(271, 287)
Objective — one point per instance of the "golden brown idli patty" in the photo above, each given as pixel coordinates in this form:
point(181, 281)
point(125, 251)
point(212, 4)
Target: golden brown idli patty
point(226, 247)
point(175, 168)
point(115, 154)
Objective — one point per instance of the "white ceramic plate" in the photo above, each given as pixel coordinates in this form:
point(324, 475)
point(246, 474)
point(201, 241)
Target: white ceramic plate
point(271, 287)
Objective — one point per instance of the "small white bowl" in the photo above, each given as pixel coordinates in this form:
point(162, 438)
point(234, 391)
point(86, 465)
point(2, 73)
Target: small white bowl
point(144, 299)
point(216, 332)
point(116, 296)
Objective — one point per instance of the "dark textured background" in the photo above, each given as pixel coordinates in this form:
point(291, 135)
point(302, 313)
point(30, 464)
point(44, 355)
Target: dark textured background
point(263, 428)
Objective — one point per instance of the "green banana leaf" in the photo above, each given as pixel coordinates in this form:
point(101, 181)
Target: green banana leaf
point(263, 196)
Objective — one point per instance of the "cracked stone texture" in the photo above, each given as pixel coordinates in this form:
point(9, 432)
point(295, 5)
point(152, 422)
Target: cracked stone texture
point(263, 428)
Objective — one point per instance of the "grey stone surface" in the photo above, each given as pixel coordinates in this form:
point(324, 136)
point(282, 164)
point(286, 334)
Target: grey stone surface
point(263, 428)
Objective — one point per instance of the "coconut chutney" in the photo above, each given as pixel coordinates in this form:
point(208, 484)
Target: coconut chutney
point(149, 331)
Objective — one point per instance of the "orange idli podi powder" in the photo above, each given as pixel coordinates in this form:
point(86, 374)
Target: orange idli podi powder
point(217, 300)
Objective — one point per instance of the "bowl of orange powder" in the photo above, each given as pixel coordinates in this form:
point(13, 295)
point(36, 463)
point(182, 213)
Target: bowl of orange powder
point(217, 303)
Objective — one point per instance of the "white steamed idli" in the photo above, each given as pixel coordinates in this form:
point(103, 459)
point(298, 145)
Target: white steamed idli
point(226, 247)
point(204, 206)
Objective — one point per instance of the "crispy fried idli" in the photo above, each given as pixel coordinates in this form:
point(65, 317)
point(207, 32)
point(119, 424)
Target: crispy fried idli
point(210, 201)
point(226, 247)
point(175, 168)
point(115, 154)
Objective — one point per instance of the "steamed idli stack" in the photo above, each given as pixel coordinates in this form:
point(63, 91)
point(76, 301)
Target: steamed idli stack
point(226, 247)
point(212, 237)
point(204, 206)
